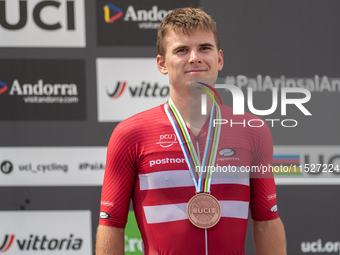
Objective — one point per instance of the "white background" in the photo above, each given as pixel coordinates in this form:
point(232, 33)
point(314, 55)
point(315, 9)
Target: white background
point(134, 71)
point(71, 156)
point(32, 35)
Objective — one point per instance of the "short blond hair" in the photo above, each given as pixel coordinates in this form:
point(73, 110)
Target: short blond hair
point(185, 20)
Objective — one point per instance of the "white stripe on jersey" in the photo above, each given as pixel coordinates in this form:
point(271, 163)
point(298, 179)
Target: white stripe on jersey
point(182, 178)
point(234, 209)
point(175, 212)
point(165, 179)
point(165, 213)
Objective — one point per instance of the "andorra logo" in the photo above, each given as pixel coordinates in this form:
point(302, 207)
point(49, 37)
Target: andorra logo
point(107, 17)
point(3, 87)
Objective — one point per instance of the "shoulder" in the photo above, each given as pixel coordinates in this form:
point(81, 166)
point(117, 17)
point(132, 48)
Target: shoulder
point(140, 122)
point(134, 131)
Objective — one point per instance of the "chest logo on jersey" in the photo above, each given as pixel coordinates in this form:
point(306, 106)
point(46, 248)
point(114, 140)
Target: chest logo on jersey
point(227, 152)
point(167, 140)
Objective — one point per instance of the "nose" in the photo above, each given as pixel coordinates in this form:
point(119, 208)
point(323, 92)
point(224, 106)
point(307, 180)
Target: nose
point(194, 57)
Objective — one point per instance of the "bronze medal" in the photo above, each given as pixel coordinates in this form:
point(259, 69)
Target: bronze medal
point(203, 210)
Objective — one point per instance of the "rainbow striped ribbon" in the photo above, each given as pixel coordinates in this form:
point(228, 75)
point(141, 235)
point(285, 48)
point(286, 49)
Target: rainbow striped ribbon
point(200, 171)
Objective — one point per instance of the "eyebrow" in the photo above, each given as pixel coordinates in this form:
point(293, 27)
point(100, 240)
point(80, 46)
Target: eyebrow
point(185, 46)
point(207, 44)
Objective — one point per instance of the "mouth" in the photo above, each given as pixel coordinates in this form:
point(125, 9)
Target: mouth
point(196, 71)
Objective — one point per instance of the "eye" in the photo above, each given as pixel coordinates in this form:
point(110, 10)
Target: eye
point(205, 48)
point(181, 50)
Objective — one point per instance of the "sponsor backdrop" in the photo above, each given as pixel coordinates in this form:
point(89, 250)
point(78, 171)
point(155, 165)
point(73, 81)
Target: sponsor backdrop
point(70, 70)
point(68, 233)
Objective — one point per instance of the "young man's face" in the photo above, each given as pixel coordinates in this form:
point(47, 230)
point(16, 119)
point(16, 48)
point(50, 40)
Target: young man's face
point(190, 56)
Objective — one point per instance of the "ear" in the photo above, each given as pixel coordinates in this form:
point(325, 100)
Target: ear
point(161, 64)
point(220, 60)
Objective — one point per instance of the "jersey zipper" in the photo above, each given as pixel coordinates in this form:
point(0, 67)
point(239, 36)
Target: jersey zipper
point(205, 230)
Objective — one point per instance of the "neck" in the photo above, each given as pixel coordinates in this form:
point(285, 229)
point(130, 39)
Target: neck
point(190, 110)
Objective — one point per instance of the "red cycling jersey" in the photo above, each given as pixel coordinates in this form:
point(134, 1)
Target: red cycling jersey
point(145, 162)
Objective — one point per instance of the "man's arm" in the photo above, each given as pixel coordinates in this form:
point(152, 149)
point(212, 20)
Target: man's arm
point(110, 241)
point(269, 237)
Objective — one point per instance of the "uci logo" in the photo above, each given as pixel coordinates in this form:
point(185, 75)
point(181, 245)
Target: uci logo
point(44, 15)
point(204, 210)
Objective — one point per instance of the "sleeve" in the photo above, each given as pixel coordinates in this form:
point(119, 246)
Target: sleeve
point(263, 205)
point(119, 177)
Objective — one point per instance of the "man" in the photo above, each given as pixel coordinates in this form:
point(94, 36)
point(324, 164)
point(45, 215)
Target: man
point(157, 177)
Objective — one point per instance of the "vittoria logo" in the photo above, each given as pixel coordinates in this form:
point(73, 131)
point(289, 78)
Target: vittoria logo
point(131, 93)
point(118, 90)
point(33, 232)
point(7, 243)
point(146, 89)
point(40, 243)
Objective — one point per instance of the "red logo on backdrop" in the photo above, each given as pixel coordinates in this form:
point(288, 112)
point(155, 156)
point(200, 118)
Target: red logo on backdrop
point(7, 243)
point(118, 91)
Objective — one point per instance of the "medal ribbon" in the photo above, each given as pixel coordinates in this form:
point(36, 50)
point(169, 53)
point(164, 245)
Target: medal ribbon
point(201, 178)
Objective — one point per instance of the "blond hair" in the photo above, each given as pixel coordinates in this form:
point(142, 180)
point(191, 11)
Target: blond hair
point(185, 20)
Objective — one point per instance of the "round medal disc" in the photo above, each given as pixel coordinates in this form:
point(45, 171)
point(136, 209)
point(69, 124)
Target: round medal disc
point(203, 210)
